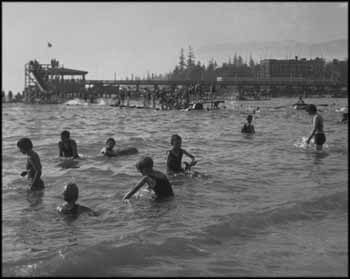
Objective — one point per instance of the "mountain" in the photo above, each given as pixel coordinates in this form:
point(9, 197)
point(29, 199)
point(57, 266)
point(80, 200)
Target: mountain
point(280, 50)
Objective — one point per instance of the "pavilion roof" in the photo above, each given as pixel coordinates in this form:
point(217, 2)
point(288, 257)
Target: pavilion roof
point(65, 71)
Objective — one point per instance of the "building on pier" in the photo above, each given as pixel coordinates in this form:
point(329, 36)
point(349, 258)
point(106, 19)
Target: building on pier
point(52, 83)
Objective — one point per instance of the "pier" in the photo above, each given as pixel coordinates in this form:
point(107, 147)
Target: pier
point(52, 83)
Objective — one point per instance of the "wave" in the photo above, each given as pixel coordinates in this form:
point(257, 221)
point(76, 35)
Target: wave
point(245, 225)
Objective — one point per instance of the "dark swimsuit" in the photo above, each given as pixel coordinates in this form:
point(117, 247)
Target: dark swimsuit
point(174, 162)
point(67, 151)
point(162, 189)
point(39, 183)
point(247, 128)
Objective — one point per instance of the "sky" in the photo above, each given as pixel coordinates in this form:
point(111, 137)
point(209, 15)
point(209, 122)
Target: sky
point(122, 38)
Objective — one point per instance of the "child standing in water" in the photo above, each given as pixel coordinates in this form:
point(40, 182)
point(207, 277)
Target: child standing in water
point(317, 131)
point(70, 195)
point(175, 156)
point(67, 146)
point(33, 167)
point(156, 180)
point(248, 127)
point(109, 152)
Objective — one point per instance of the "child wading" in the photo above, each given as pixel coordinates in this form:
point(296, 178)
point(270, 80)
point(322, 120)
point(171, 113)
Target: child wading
point(70, 195)
point(33, 167)
point(156, 180)
point(175, 156)
point(317, 130)
point(248, 127)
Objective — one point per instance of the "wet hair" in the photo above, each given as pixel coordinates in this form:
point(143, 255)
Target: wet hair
point(111, 139)
point(249, 117)
point(71, 192)
point(174, 138)
point(65, 134)
point(311, 108)
point(144, 163)
point(25, 144)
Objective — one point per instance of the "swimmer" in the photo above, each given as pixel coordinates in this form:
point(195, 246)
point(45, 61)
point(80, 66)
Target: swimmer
point(70, 195)
point(109, 152)
point(300, 101)
point(33, 167)
point(175, 156)
point(317, 130)
point(156, 180)
point(345, 118)
point(67, 147)
point(248, 127)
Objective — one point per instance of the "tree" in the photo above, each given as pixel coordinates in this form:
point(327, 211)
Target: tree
point(190, 57)
point(182, 63)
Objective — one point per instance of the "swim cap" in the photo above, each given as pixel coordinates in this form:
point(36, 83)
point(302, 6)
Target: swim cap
point(145, 163)
point(25, 143)
point(311, 108)
point(71, 192)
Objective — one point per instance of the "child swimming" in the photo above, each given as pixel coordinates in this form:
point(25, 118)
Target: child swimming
point(70, 195)
point(175, 156)
point(67, 146)
point(248, 127)
point(317, 131)
point(109, 152)
point(33, 167)
point(156, 180)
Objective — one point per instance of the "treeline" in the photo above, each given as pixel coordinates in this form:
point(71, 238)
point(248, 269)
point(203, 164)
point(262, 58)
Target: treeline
point(190, 69)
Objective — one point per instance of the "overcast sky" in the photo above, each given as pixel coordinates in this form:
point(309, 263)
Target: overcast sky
point(127, 37)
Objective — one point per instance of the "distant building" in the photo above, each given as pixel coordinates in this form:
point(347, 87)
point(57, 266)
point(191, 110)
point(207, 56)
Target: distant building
point(292, 68)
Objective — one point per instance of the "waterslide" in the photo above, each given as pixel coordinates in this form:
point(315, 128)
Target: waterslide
point(36, 79)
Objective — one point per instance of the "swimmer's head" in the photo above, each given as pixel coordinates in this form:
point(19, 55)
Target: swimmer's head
point(71, 192)
point(110, 142)
point(65, 135)
point(311, 109)
point(24, 145)
point(145, 164)
point(249, 118)
point(175, 140)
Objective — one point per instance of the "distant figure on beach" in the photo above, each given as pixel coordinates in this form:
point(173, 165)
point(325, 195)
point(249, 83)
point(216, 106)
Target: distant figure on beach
point(33, 167)
point(67, 146)
point(300, 101)
point(248, 127)
point(156, 180)
point(175, 156)
point(317, 130)
point(70, 195)
point(109, 152)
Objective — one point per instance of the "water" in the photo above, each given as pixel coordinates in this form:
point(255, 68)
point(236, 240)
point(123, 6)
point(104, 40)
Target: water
point(263, 205)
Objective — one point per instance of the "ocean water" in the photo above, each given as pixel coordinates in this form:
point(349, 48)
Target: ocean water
point(261, 205)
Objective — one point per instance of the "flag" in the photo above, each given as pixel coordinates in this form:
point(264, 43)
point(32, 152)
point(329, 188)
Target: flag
point(49, 44)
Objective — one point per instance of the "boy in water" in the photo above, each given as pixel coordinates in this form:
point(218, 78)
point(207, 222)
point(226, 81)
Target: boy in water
point(317, 131)
point(109, 152)
point(300, 101)
point(248, 127)
point(156, 180)
point(70, 195)
point(67, 147)
point(33, 167)
point(175, 156)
